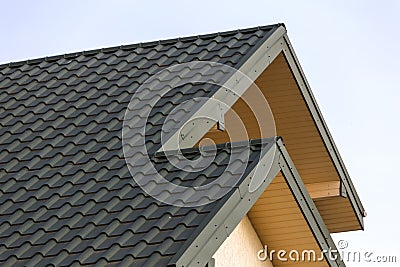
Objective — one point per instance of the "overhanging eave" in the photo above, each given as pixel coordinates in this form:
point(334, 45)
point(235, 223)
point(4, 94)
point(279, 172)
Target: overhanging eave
point(347, 186)
point(227, 215)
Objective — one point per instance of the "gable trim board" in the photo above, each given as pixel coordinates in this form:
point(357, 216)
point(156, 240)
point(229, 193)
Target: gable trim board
point(272, 47)
point(347, 188)
point(37, 89)
point(252, 67)
point(306, 204)
point(211, 263)
point(223, 220)
point(60, 118)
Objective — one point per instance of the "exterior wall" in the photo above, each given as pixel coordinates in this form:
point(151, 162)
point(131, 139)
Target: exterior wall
point(240, 248)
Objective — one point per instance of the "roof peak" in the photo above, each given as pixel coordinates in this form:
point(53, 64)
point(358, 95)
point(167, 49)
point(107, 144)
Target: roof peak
point(147, 44)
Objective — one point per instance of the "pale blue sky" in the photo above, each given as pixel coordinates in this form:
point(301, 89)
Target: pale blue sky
point(348, 49)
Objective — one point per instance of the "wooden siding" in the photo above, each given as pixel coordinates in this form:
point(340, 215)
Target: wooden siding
point(295, 124)
point(280, 223)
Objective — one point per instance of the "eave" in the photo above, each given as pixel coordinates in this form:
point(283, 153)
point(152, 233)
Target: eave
point(347, 188)
point(209, 237)
point(334, 194)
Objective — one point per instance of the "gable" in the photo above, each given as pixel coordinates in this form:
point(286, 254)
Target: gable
point(295, 123)
point(67, 194)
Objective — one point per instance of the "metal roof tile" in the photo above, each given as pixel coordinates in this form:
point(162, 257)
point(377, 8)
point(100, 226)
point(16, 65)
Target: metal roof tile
point(67, 196)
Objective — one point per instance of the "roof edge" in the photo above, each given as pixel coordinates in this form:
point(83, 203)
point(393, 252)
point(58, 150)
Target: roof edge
point(199, 249)
point(305, 89)
point(72, 55)
point(308, 208)
point(252, 66)
point(226, 215)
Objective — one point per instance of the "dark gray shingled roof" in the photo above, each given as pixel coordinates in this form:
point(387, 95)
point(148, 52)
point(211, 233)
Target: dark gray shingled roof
point(66, 194)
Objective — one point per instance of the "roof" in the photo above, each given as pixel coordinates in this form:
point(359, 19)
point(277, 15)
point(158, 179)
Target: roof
point(67, 196)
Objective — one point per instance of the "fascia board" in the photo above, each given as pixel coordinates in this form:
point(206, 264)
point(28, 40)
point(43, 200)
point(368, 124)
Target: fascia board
point(252, 68)
point(307, 206)
point(221, 223)
point(347, 187)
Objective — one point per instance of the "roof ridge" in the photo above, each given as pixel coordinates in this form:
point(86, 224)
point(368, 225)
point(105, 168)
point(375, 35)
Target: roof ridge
point(72, 55)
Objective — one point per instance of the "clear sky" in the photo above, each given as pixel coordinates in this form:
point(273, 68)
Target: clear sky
point(349, 51)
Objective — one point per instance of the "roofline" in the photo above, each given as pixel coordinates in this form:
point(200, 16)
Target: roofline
point(252, 66)
point(73, 55)
point(203, 244)
point(255, 64)
point(223, 219)
point(347, 186)
point(307, 206)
